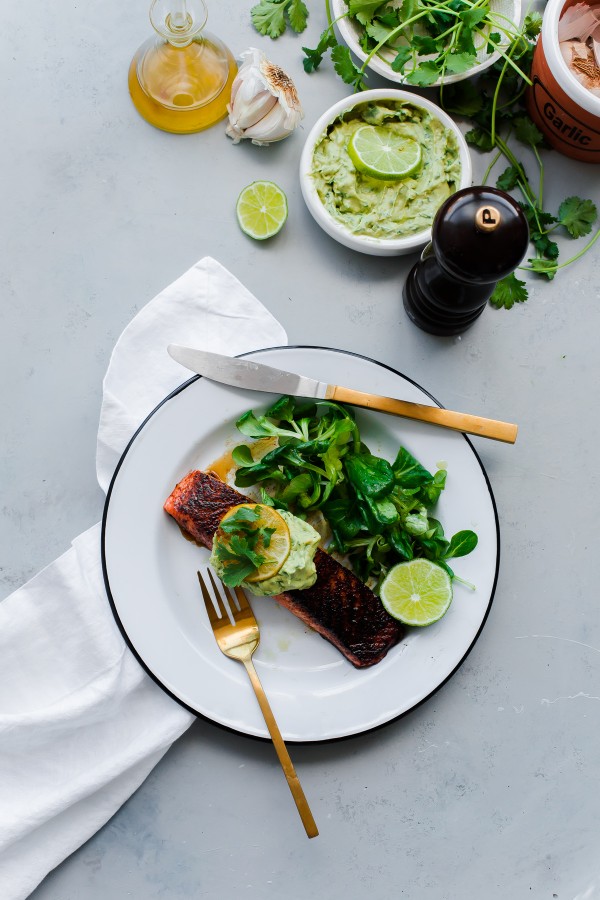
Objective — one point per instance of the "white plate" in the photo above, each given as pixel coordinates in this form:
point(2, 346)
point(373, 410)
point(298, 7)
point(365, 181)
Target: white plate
point(150, 569)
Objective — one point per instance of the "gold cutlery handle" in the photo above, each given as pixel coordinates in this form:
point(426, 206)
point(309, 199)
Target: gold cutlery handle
point(489, 428)
point(281, 750)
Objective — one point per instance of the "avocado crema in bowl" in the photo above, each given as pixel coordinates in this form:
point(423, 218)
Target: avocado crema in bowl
point(373, 215)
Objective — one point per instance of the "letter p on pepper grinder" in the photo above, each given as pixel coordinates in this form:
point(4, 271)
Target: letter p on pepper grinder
point(479, 236)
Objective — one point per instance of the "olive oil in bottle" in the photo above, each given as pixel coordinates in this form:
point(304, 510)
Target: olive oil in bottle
point(180, 81)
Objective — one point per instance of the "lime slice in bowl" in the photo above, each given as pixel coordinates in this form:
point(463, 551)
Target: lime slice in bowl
point(261, 209)
point(382, 153)
point(417, 592)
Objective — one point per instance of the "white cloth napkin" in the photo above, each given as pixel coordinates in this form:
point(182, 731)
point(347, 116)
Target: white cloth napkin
point(81, 724)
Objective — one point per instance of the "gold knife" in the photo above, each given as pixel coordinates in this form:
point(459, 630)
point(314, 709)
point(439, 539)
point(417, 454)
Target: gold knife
point(254, 376)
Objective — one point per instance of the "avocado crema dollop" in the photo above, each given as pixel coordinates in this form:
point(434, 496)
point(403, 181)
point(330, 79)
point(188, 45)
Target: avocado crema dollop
point(386, 209)
point(298, 571)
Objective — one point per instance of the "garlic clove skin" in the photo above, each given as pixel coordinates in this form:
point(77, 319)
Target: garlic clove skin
point(264, 105)
point(275, 126)
point(247, 114)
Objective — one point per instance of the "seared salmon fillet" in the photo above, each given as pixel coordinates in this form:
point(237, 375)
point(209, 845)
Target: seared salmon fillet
point(338, 606)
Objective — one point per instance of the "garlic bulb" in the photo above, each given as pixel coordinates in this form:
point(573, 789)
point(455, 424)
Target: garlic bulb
point(264, 105)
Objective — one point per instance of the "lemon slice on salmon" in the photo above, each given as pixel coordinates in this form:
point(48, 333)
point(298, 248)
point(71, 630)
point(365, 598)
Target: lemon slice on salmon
point(274, 542)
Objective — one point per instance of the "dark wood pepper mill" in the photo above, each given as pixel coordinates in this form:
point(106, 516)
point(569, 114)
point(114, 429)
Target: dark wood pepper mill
point(479, 236)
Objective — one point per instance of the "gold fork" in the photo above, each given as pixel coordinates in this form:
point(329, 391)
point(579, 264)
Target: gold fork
point(239, 641)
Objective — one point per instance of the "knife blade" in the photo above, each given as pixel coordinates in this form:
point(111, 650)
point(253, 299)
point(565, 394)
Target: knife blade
point(254, 376)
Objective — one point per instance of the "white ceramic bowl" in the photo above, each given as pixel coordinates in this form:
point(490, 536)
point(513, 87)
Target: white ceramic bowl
point(351, 33)
point(363, 243)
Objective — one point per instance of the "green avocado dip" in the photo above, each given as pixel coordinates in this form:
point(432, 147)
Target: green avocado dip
point(298, 571)
point(386, 209)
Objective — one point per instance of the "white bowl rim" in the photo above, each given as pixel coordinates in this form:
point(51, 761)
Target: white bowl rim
point(384, 69)
point(311, 196)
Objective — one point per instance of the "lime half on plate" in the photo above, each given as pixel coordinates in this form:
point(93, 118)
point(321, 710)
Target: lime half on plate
point(382, 153)
point(417, 592)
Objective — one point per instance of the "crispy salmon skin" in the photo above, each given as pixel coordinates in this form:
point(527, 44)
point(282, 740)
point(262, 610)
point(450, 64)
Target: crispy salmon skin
point(338, 606)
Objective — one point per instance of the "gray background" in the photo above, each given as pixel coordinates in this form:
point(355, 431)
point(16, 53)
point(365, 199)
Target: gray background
point(490, 789)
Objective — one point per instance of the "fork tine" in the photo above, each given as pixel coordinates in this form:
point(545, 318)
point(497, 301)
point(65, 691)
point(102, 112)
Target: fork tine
point(231, 601)
point(242, 600)
point(219, 598)
point(210, 607)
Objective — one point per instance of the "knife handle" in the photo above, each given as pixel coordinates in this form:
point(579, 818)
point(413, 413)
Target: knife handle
point(489, 428)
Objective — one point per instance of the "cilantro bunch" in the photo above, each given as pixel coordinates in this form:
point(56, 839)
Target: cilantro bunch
point(494, 104)
point(379, 513)
point(428, 39)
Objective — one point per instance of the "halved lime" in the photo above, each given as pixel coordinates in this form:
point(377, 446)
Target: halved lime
point(261, 210)
point(382, 153)
point(418, 592)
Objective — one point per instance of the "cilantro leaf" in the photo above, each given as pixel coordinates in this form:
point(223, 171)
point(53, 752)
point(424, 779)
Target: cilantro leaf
point(527, 132)
point(424, 44)
point(241, 520)
point(344, 65)
point(577, 216)
point(545, 267)
point(408, 9)
point(544, 245)
point(297, 15)
point(424, 75)
point(377, 30)
point(390, 17)
point(465, 42)
point(508, 291)
point(509, 179)
point(474, 16)
point(314, 58)
point(402, 57)
point(268, 17)
point(479, 138)
point(460, 62)
point(493, 39)
point(532, 24)
point(364, 10)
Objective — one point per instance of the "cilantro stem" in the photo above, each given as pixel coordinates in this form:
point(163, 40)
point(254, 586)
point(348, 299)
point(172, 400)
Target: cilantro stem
point(506, 56)
point(540, 202)
point(568, 262)
point(466, 583)
point(486, 174)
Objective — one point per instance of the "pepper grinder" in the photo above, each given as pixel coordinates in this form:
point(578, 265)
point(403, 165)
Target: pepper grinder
point(479, 235)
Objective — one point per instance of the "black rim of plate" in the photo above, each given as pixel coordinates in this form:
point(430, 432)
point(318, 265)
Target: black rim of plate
point(145, 666)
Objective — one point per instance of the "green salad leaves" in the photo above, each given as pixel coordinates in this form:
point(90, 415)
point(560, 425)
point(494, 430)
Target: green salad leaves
point(379, 512)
